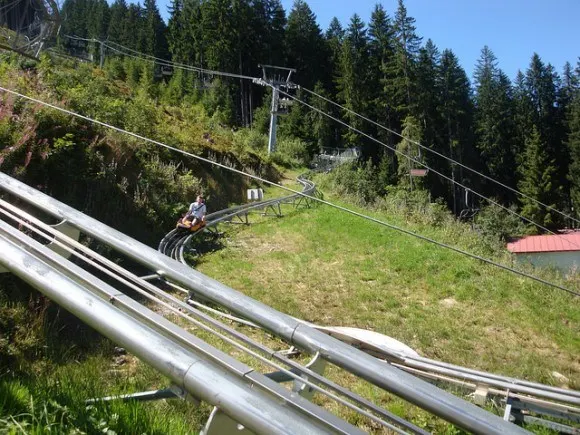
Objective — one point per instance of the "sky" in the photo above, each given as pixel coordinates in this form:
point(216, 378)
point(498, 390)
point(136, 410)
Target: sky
point(513, 29)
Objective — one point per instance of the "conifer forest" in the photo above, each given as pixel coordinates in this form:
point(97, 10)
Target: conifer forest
point(523, 132)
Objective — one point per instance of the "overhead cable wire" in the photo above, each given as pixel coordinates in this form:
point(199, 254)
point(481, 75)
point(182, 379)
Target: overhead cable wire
point(139, 55)
point(90, 257)
point(440, 174)
point(164, 62)
point(280, 186)
point(178, 65)
point(440, 155)
point(133, 282)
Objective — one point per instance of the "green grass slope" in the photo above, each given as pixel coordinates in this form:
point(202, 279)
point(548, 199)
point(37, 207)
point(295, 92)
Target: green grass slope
point(331, 268)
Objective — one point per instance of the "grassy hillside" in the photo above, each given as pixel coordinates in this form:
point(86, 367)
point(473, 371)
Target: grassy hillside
point(317, 264)
point(49, 361)
point(335, 269)
point(332, 268)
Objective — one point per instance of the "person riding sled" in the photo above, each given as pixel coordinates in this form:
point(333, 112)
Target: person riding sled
point(195, 216)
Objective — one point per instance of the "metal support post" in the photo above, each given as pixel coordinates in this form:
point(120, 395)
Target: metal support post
point(273, 120)
point(273, 76)
point(102, 52)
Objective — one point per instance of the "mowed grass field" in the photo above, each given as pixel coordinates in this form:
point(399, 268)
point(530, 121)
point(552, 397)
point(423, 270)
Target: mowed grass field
point(334, 269)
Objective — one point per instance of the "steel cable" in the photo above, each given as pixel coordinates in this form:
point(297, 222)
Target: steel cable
point(114, 271)
point(441, 155)
point(338, 207)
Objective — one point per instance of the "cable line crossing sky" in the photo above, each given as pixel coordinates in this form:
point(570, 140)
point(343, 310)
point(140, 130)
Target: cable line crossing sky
point(338, 207)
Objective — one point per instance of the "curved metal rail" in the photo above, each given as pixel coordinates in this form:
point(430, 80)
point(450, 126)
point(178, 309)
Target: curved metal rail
point(551, 400)
point(175, 243)
point(294, 332)
point(190, 363)
point(141, 285)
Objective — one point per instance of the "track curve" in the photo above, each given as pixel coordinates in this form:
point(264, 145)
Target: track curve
point(175, 243)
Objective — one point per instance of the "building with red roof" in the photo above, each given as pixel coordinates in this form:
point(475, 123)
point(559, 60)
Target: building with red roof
point(558, 250)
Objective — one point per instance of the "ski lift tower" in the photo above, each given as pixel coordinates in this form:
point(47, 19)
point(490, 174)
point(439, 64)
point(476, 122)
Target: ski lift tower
point(277, 77)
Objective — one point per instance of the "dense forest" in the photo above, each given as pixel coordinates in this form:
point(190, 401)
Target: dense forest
point(524, 134)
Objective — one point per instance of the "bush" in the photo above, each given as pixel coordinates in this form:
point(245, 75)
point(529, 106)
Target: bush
point(499, 225)
point(250, 140)
point(292, 152)
point(416, 203)
point(358, 180)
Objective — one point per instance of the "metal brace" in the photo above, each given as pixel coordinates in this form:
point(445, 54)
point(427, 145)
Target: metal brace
point(69, 231)
point(173, 392)
point(513, 413)
point(219, 423)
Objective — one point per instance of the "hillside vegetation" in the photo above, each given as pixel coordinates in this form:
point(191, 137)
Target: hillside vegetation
point(316, 264)
point(523, 131)
point(50, 363)
point(334, 269)
point(133, 185)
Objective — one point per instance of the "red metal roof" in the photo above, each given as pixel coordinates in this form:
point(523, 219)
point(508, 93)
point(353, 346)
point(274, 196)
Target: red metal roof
point(548, 243)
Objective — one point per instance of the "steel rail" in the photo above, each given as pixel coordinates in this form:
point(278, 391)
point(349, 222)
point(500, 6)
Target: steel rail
point(514, 383)
point(561, 407)
point(391, 379)
point(175, 242)
point(293, 373)
point(239, 398)
point(128, 279)
point(536, 389)
point(492, 382)
point(487, 378)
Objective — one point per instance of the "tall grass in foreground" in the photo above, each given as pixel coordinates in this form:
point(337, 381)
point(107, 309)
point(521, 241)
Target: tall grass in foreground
point(55, 402)
point(50, 364)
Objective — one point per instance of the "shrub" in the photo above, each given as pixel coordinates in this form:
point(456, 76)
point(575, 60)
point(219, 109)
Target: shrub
point(358, 180)
point(291, 152)
point(499, 225)
point(249, 140)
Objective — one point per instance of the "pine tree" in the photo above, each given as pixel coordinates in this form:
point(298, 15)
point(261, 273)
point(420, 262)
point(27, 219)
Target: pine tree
point(456, 111)
point(401, 69)
point(334, 37)
point(98, 23)
point(76, 13)
point(176, 31)
point(218, 35)
point(298, 122)
point(321, 124)
point(191, 46)
point(427, 94)
point(353, 83)
point(305, 47)
point(117, 22)
point(522, 117)
point(153, 31)
point(494, 123)
point(538, 182)
point(568, 88)
point(573, 140)
point(274, 28)
point(382, 52)
point(133, 25)
point(542, 85)
point(410, 151)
